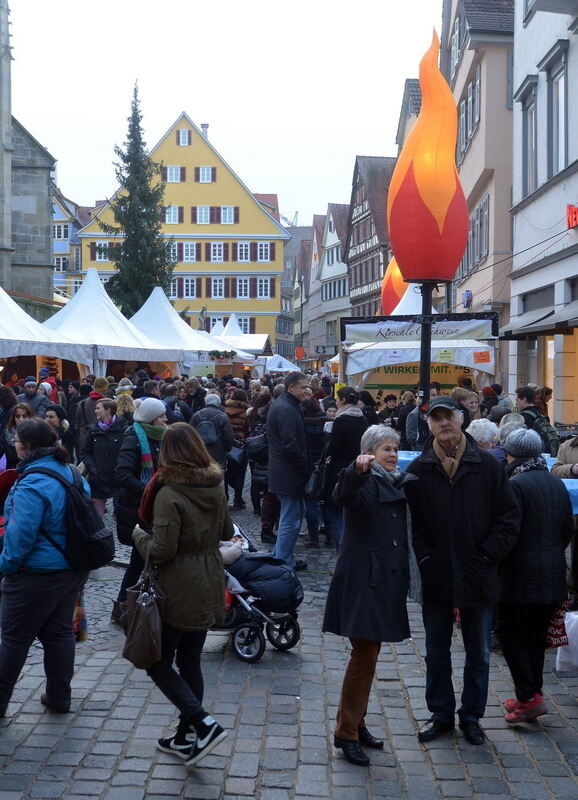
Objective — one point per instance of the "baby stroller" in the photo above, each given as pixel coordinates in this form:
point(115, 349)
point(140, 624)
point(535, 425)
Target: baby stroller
point(261, 592)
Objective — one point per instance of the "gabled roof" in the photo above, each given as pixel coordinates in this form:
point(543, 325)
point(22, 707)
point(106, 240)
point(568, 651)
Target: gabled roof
point(374, 172)
point(271, 201)
point(339, 214)
point(490, 16)
point(79, 213)
point(410, 105)
point(42, 152)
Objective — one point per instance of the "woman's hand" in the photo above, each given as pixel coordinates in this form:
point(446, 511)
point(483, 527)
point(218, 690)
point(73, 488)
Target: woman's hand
point(363, 463)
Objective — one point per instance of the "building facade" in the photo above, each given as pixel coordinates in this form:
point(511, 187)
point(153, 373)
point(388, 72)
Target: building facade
point(544, 278)
point(227, 248)
point(285, 328)
point(333, 278)
point(68, 218)
point(314, 310)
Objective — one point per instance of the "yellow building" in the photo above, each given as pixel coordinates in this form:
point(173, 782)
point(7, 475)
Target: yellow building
point(227, 248)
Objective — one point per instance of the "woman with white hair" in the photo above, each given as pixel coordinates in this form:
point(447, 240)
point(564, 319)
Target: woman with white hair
point(484, 433)
point(367, 597)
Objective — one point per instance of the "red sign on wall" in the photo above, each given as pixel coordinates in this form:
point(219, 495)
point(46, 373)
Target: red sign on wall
point(572, 216)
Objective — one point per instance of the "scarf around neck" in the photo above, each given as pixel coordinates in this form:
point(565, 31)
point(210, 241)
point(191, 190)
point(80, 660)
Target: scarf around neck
point(144, 432)
point(450, 463)
point(105, 425)
point(393, 477)
point(349, 411)
point(527, 465)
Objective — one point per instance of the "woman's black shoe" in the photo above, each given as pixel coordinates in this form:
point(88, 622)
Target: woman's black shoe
point(268, 537)
point(434, 728)
point(368, 740)
point(351, 751)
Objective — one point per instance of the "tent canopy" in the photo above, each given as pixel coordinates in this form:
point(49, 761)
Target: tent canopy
point(22, 335)
point(279, 364)
point(463, 352)
point(254, 343)
point(91, 318)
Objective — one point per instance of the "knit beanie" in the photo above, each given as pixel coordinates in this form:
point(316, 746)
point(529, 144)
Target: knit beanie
point(212, 400)
point(47, 387)
point(100, 385)
point(523, 443)
point(149, 409)
point(30, 380)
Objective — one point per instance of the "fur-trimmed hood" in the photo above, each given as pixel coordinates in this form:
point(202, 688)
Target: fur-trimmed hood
point(236, 404)
point(183, 475)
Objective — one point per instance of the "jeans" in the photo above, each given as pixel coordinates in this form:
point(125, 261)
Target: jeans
point(337, 524)
point(476, 630)
point(312, 516)
point(39, 605)
point(184, 688)
point(292, 511)
point(270, 509)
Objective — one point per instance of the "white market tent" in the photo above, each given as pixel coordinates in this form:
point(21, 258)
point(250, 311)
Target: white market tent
point(91, 318)
point(22, 335)
point(158, 320)
point(279, 364)
point(253, 343)
point(217, 329)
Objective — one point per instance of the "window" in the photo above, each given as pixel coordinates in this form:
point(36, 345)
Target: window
point(60, 263)
point(455, 47)
point(183, 137)
point(330, 256)
point(557, 118)
point(205, 175)
point(190, 288)
point(242, 288)
point(243, 324)
point(174, 252)
point(243, 251)
point(203, 215)
point(76, 284)
point(173, 290)
point(263, 251)
point(216, 251)
point(172, 215)
point(263, 286)
point(101, 252)
point(478, 244)
point(218, 287)
point(60, 231)
point(105, 280)
point(77, 256)
point(331, 226)
point(190, 251)
point(529, 148)
point(227, 215)
point(173, 174)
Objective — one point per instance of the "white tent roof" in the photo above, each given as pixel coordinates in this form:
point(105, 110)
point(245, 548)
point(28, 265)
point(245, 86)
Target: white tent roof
point(464, 352)
point(91, 318)
point(22, 335)
point(279, 364)
point(217, 329)
point(253, 343)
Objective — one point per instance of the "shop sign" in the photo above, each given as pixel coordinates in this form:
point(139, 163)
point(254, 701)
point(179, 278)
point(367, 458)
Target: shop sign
point(572, 216)
point(445, 355)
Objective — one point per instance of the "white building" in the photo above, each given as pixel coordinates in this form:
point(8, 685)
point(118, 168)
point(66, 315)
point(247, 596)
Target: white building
point(333, 277)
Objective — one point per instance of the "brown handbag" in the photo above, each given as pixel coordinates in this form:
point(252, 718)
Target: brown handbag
point(142, 620)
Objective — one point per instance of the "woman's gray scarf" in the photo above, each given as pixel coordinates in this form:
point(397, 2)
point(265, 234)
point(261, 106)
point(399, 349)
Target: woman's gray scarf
point(393, 477)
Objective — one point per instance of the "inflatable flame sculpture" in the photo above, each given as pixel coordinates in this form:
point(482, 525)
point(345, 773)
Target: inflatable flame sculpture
point(427, 213)
point(393, 287)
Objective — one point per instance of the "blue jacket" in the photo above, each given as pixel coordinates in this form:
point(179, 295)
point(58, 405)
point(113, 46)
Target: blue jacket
point(36, 501)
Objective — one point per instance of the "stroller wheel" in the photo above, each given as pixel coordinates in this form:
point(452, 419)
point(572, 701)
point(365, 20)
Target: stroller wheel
point(283, 634)
point(248, 643)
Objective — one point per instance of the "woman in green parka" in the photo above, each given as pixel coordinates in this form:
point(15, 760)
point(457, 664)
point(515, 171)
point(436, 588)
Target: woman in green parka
point(190, 518)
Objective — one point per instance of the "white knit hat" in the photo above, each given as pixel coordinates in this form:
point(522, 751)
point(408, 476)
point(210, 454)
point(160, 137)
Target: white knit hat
point(149, 409)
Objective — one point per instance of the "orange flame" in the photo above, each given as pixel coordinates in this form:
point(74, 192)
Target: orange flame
point(427, 213)
point(393, 287)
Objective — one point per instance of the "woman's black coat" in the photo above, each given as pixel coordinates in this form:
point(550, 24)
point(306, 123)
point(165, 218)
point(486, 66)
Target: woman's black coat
point(368, 592)
point(400, 426)
point(534, 572)
point(344, 443)
point(315, 437)
point(127, 477)
point(99, 452)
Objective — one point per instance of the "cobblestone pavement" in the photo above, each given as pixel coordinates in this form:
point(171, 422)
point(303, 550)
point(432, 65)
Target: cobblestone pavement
point(279, 714)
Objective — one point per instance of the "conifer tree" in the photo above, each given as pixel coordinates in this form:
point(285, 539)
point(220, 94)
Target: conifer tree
point(143, 258)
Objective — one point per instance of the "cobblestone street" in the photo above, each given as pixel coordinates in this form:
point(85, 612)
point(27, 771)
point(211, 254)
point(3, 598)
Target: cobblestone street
point(279, 713)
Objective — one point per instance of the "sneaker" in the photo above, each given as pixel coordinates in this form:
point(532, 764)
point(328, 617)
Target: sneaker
point(510, 704)
point(209, 735)
point(181, 743)
point(526, 712)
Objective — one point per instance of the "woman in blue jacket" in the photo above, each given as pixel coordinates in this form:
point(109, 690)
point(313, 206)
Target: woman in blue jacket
point(40, 587)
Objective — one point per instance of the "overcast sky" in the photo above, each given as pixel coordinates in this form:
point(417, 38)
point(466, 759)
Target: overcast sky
point(291, 91)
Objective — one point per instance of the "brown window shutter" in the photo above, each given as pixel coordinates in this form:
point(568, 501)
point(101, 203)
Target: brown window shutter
point(212, 215)
point(251, 324)
point(226, 251)
point(271, 287)
point(180, 282)
point(233, 287)
point(235, 252)
point(93, 251)
point(227, 287)
point(253, 251)
point(252, 287)
point(198, 255)
point(272, 251)
point(197, 174)
point(183, 174)
point(218, 214)
point(207, 251)
point(199, 291)
point(181, 213)
point(236, 215)
point(164, 174)
point(213, 174)
point(194, 215)
point(179, 251)
point(178, 136)
point(208, 287)
point(190, 136)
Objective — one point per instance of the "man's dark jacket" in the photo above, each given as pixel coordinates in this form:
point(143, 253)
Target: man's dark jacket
point(99, 452)
point(463, 529)
point(288, 466)
point(218, 451)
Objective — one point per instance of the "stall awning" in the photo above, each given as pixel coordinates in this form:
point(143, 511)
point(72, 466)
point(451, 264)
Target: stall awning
point(525, 325)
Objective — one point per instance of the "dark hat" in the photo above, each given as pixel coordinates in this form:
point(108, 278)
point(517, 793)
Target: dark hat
point(523, 443)
point(444, 401)
point(30, 380)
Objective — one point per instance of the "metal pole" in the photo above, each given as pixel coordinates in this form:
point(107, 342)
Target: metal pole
point(425, 351)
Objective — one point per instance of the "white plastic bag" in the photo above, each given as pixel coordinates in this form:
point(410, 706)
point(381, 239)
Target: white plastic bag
point(567, 657)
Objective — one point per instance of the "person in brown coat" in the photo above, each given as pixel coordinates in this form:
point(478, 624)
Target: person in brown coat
point(190, 518)
point(236, 409)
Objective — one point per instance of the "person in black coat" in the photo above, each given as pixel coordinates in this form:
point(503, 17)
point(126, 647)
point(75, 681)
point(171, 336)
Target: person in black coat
point(288, 464)
point(315, 420)
point(222, 433)
point(196, 394)
point(99, 452)
point(344, 442)
point(533, 574)
point(464, 523)
point(407, 406)
point(170, 396)
point(368, 408)
point(367, 598)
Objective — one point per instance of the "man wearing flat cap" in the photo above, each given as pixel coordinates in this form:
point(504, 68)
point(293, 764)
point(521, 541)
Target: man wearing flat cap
point(464, 522)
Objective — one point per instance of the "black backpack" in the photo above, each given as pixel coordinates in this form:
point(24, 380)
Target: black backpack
point(547, 432)
point(208, 432)
point(89, 545)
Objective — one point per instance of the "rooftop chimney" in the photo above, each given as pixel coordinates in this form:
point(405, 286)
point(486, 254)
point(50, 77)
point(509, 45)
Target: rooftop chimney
point(204, 129)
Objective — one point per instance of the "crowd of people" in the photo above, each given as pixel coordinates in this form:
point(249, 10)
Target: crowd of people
point(490, 524)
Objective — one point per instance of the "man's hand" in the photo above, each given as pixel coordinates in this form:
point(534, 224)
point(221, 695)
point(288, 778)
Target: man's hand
point(574, 470)
point(363, 463)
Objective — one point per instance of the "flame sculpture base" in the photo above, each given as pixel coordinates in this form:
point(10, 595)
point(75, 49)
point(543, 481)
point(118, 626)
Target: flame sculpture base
point(427, 318)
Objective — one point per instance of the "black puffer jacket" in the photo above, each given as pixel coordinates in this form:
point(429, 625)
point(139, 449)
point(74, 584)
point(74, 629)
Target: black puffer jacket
point(534, 572)
point(99, 452)
point(127, 477)
point(344, 443)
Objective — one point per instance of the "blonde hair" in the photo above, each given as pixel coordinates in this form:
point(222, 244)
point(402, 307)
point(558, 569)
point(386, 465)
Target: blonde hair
point(124, 404)
point(460, 394)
